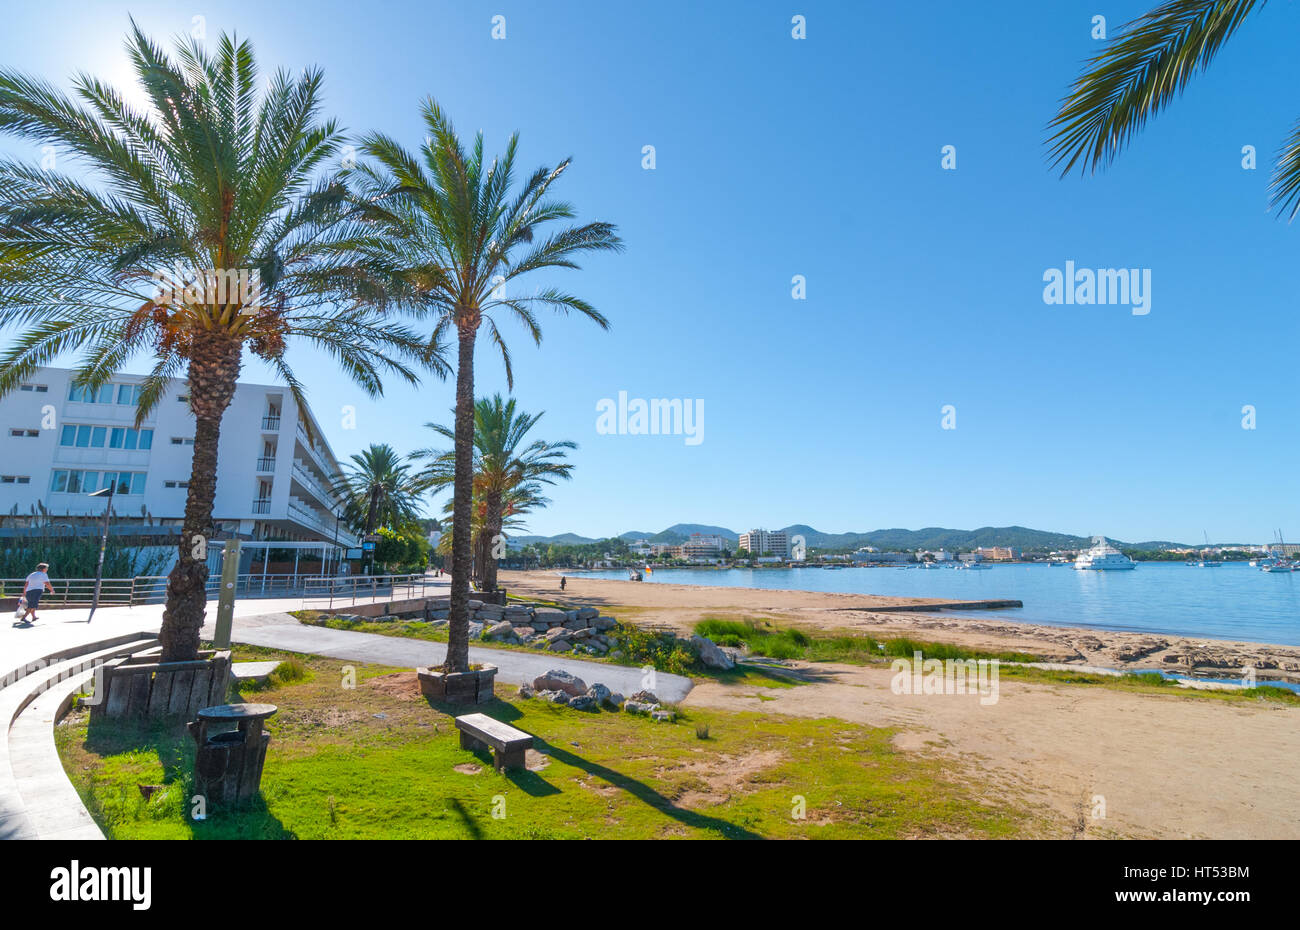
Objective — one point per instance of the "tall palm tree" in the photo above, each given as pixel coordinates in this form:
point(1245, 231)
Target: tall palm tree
point(1140, 73)
point(216, 174)
point(502, 463)
point(377, 489)
point(451, 229)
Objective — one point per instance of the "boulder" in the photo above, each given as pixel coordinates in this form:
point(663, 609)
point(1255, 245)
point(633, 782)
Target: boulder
point(499, 631)
point(588, 613)
point(524, 633)
point(637, 707)
point(644, 697)
point(663, 716)
point(710, 654)
point(549, 616)
point(475, 630)
point(439, 624)
point(615, 700)
point(555, 697)
point(604, 623)
point(475, 605)
point(491, 612)
point(557, 679)
point(559, 645)
point(584, 702)
point(525, 691)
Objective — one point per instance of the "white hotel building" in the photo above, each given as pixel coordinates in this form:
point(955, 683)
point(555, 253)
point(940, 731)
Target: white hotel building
point(759, 542)
point(59, 443)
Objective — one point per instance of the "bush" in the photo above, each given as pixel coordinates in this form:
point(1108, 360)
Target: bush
point(664, 651)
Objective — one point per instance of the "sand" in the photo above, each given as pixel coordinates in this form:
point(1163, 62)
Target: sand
point(1152, 765)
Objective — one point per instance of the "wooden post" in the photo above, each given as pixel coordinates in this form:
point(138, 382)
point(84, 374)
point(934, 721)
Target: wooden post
point(226, 596)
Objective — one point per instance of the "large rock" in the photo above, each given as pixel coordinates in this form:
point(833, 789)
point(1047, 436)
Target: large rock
point(491, 612)
point(588, 613)
point(604, 623)
point(499, 630)
point(710, 654)
point(549, 616)
point(638, 707)
point(557, 632)
point(644, 697)
point(557, 679)
point(475, 630)
point(585, 702)
point(663, 716)
point(559, 645)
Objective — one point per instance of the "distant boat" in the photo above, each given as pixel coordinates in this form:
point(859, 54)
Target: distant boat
point(1103, 557)
point(634, 575)
point(1204, 561)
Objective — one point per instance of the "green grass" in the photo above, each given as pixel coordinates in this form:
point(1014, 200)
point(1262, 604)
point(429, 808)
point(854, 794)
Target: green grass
point(1150, 683)
point(764, 639)
point(378, 761)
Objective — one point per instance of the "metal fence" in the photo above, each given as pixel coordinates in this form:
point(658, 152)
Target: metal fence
point(313, 590)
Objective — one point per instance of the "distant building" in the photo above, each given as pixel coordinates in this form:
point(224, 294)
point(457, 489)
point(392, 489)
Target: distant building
point(872, 556)
point(641, 547)
point(759, 542)
point(999, 553)
point(970, 557)
point(700, 548)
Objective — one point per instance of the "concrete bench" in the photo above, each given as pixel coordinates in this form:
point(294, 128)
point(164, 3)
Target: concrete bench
point(479, 731)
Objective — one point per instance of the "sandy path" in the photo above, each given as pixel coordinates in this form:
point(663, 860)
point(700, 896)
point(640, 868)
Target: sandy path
point(1166, 766)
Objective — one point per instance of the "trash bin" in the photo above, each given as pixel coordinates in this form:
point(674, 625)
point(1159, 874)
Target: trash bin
point(228, 763)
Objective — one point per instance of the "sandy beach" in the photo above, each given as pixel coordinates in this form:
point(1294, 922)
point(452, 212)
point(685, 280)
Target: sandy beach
point(681, 606)
point(1164, 765)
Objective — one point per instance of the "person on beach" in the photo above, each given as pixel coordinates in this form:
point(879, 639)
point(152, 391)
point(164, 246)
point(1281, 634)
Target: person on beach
point(562, 581)
point(37, 583)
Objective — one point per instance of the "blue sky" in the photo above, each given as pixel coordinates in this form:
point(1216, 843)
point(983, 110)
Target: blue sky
point(821, 158)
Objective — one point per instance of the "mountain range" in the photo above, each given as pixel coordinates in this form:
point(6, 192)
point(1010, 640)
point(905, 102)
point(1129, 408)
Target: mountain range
point(930, 537)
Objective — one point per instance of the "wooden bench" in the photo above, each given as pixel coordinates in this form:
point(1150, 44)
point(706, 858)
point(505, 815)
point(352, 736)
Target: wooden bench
point(479, 731)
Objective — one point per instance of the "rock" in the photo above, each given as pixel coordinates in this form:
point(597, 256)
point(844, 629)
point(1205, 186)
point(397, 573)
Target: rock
point(588, 613)
point(599, 692)
point(557, 679)
point(645, 697)
point(579, 634)
point(475, 605)
point(615, 700)
point(663, 716)
point(604, 623)
point(525, 633)
point(557, 632)
point(559, 645)
point(491, 612)
point(555, 697)
point(549, 616)
point(501, 629)
point(475, 630)
point(636, 707)
point(585, 702)
point(439, 624)
point(710, 654)
point(525, 691)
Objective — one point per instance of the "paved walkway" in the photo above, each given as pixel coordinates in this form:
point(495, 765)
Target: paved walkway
point(265, 622)
point(514, 666)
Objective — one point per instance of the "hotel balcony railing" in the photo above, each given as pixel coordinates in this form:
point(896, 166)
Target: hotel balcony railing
point(261, 505)
point(265, 463)
point(303, 476)
point(271, 423)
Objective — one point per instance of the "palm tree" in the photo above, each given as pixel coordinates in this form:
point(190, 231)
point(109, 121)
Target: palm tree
point(502, 464)
point(377, 489)
point(451, 230)
point(1138, 75)
point(216, 176)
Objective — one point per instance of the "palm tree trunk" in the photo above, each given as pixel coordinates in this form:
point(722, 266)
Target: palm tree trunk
point(462, 503)
point(213, 374)
point(492, 532)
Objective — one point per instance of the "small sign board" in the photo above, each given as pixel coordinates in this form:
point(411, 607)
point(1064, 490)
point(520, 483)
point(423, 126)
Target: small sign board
point(352, 554)
point(368, 546)
point(371, 538)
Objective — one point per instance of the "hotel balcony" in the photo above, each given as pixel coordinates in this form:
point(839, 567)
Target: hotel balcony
point(265, 463)
point(261, 505)
point(271, 424)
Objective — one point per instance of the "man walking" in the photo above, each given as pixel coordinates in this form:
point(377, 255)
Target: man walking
point(38, 582)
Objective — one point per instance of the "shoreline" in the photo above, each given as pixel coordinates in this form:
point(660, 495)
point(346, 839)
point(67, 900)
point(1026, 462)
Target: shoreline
point(681, 606)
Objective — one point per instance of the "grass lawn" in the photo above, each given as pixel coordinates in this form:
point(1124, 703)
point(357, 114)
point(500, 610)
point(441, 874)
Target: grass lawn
point(379, 761)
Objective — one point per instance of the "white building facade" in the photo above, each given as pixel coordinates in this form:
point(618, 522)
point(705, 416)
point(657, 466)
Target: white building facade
point(761, 542)
point(59, 443)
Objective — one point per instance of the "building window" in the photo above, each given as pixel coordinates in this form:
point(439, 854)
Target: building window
point(129, 438)
point(83, 482)
point(25, 433)
point(101, 395)
point(183, 398)
point(182, 441)
point(128, 393)
point(38, 388)
point(15, 479)
point(176, 484)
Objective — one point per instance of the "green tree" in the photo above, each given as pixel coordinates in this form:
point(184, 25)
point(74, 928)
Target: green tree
point(217, 175)
point(1136, 76)
point(504, 462)
point(450, 229)
point(378, 489)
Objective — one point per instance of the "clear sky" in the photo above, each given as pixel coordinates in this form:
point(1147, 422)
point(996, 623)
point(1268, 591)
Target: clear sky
point(821, 157)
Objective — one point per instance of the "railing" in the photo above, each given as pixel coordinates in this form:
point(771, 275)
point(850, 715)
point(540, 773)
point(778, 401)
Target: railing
point(331, 590)
point(300, 511)
point(261, 505)
point(308, 481)
point(265, 463)
point(271, 423)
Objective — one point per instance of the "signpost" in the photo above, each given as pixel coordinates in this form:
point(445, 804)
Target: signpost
point(226, 594)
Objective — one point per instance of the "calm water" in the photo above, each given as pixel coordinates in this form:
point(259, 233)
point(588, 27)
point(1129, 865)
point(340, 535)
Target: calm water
point(1234, 601)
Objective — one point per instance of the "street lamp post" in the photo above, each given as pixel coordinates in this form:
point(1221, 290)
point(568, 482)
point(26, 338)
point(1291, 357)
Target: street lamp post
point(103, 543)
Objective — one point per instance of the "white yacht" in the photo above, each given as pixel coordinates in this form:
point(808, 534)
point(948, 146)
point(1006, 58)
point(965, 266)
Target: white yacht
point(1103, 557)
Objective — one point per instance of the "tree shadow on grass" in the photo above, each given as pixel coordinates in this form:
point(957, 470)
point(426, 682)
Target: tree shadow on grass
point(647, 795)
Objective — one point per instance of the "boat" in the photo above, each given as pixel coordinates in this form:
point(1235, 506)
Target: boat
point(1280, 567)
point(634, 575)
point(1205, 561)
point(1103, 557)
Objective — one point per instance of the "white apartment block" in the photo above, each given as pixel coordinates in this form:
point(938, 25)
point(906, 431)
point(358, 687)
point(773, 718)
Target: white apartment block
point(759, 542)
point(59, 443)
point(701, 548)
